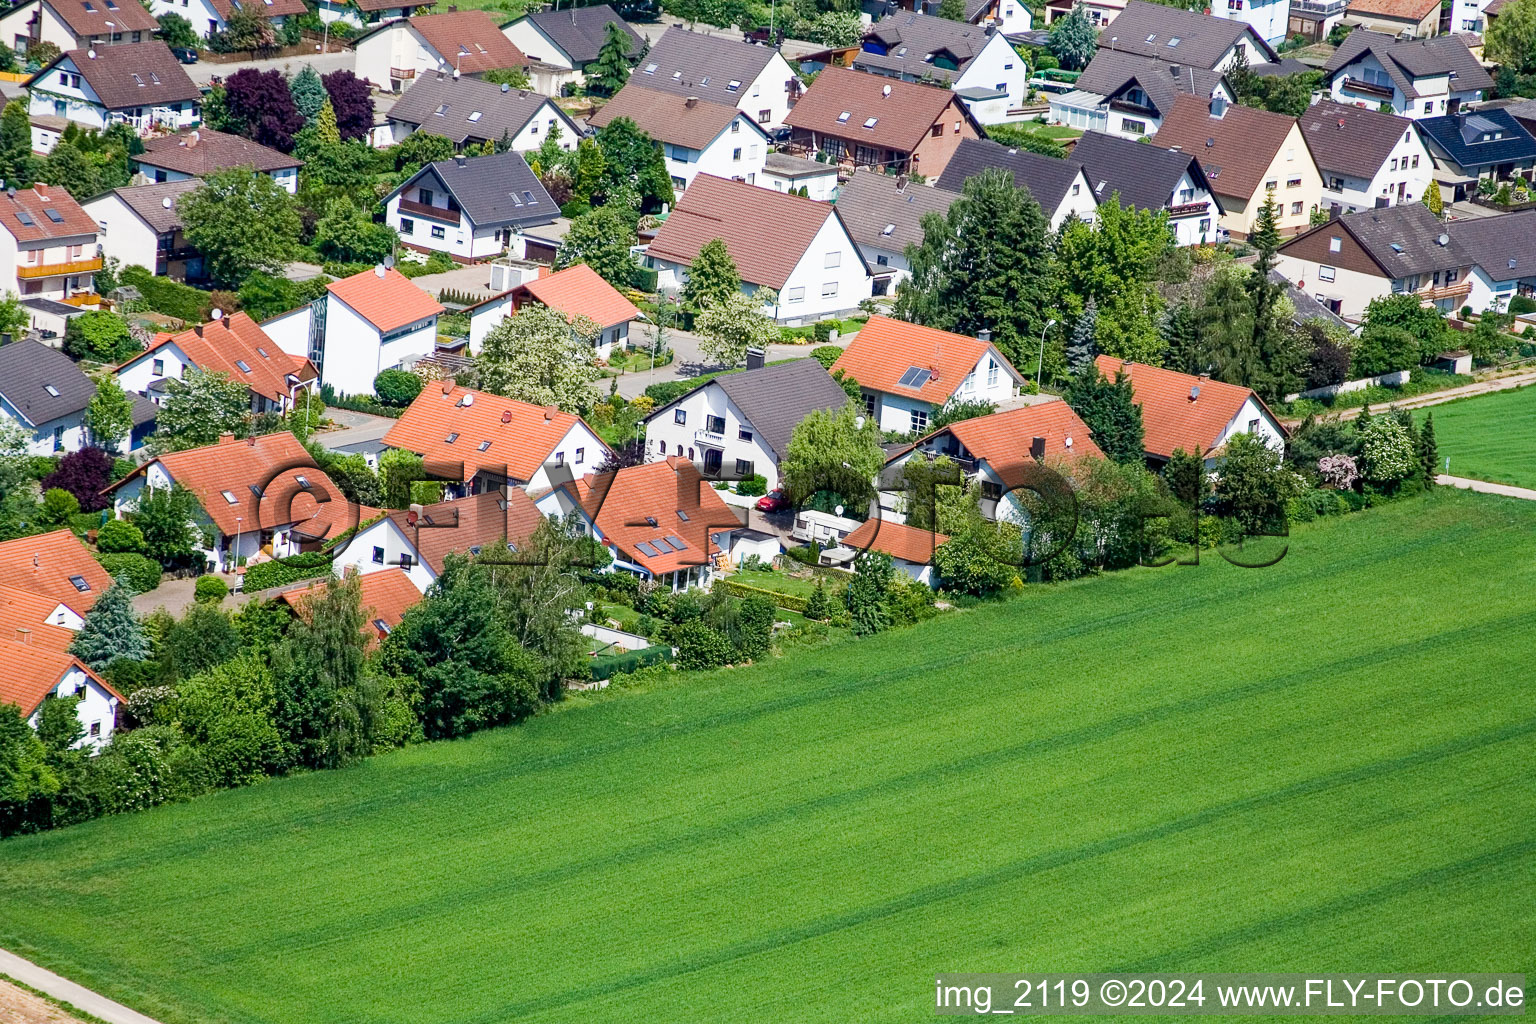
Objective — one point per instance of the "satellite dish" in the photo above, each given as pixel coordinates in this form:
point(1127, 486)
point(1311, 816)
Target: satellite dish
point(166, 202)
point(838, 510)
point(411, 518)
point(389, 262)
point(505, 87)
point(91, 53)
point(1444, 238)
point(1069, 440)
point(216, 314)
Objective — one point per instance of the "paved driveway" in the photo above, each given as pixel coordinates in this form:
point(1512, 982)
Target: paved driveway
point(203, 72)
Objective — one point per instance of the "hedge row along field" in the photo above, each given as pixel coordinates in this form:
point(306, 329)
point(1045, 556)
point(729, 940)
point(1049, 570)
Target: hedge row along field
point(1321, 766)
point(1491, 437)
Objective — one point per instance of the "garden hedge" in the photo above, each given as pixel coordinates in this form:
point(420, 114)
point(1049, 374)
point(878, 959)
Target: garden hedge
point(140, 572)
point(611, 665)
point(305, 566)
point(794, 604)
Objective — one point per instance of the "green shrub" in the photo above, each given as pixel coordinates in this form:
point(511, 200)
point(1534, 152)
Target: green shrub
point(426, 492)
point(292, 569)
point(645, 279)
point(753, 485)
point(822, 331)
point(575, 208)
point(397, 387)
point(700, 646)
point(210, 590)
point(163, 295)
point(610, 665)
point(1522, 304)
point(670, 391)
point(734, 589)
point(139, 572)
point(810, 554)
point(119, 536)
point(826, 355)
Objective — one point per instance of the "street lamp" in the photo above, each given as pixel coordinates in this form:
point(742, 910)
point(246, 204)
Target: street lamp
point(1040, 362)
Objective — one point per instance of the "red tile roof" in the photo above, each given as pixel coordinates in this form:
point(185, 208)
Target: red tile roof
point(44, 565)
point(1172, 418)
point(668, 117)
point(388, 300)
point(885, 349)
point(521, 437)
point(386, 597)
point(1004, 438)
point(468, 524)
point(92, 17)
point(895, 539)
point(203, 151)
point(271, 8)
point(222, 345)
point(903, 112)
point(623, 503)
point(32, 204)
point(579, 291)
point(1242, 143)
point(1406, 10)
point(25, 613)
point(222, 477)
point(28, 672)
point(737, 213)
point(468, 40)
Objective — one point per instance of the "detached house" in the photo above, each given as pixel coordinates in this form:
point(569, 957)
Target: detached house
point(140, 226)
point(859, 120)
point(48, 248)
point(907, 372)
point(739, 424)
point(1196, 414)
point(76, 24)
point(1367, 159)
point(977, 62)
point(196, 154)
point(755, 79)
point(1173, 35)
point(384, 598)
point(1247, 154)
point(1100, 12)
point(809, 259)
point(576, 291)
point(994, 452)
point(59, 571)
point(472, 208)
point(467, 111)
point(1147, 177)
point(364, 13)
point(210, 17)
point(1060, 186)
point(1502, 254)
point(233, 345)
point(261, 497)
point(478, 442)
point(459, 43)
point(374, 320)
point(1007, 17)
point(910, 549)
point(140, 84)
point(884, 215)
point(1128, 95)
point(696, 136)
point(45, 393)
point(1416, 77)
point(1402, 18)
point(1468, 147)
point(31, 674)
point(1358, 257)
point(661, 521)
point(560, 44)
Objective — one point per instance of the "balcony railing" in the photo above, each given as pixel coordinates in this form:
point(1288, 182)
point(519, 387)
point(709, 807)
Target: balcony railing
point(708, 436)
point(423, 210)
point(84, 299)
point(1369, 88)
point(1447, 291)
point(59, 269)
point(1323, 7)
point(402, 74)
point(1188, 209)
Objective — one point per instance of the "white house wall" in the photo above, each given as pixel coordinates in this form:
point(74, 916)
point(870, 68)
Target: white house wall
point(848, 282)
point(1252, 419)
point(1354, 193)
point(737, 153)
point(379, 547)
point(121, 233)
point(355, 353)
point(1353, 290)
point(997, 66)
point(688, 438)
point(96, 712)
point(65, 434)
point(166, 361)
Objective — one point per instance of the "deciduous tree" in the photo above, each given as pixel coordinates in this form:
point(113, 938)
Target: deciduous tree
point(352, 103)
point(164, 515)
point(325, 709)
point(84, 474)
point(601, 239)
point(712, 276)
point(728, 328)
point(241, 221)
point(198, 408)
point(259, 105)
point(836, 451)
point(633, 158)
point(1073, 38)
point(537, 355)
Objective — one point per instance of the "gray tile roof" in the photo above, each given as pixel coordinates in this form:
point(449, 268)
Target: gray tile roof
point(1047, 178)
point(1111, 72)
point(1480, 139)
point(42, 383)
point(1177, 35)
point(1144, 175)
point(1305, 306)
point(1405, 60)
point(694, 64)
point(774, 399)
point(1493, 242)
point(580, 31)
point(1351, 140)
point(1404, 239)
point(502, 110)
point(148, 201)
point(870, 202)
point(492, 190)
point(911, 40)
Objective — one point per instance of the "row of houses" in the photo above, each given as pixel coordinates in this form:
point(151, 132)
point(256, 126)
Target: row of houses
point(1277, 20)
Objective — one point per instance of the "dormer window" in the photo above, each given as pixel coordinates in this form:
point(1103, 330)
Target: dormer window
point(229, 496)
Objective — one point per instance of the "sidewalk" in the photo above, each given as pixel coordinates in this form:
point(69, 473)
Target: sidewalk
point(81, 998)
point(1484, 487)
point(1482, 387)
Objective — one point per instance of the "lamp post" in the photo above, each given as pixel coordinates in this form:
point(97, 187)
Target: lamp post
point(1040, 362)
point(236, 567)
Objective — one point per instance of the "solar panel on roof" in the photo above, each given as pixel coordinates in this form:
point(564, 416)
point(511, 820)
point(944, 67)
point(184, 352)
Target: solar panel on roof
point(662, 546)
point(915, 377)
point(25, 218)
point(54, 215)
point(676, 541)
point(646, 549)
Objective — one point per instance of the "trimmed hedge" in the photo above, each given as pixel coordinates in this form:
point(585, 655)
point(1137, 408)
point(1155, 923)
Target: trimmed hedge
point(794, 604)
point(163, 295)
point(140, 572)
point(305, 566)
point(611, 665)
point(645, 279)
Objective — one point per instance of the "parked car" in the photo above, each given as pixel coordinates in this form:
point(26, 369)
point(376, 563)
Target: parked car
point(773, 501)
point(781, 133)
point(763, 34)
point(185, 54)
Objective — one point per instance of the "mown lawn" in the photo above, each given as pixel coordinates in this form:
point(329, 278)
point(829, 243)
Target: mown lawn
point(1491, 437)
point(1321, 766)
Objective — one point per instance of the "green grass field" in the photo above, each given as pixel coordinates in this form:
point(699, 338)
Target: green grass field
point(1491, 437)
point(1321, 766)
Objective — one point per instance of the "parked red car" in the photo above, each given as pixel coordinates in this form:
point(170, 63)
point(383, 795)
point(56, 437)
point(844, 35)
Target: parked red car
point(773, 501)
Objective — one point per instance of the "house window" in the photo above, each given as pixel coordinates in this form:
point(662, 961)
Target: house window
point(407, 226)
point(378, 555)
point(1295, 208)
point(1451, 275)
point(937, 130)
point(743, 468)
point(95, 728)
point(714, 424)
point(834, 259)
point(1393, 166)
point(1293, 183)
point(559, 458)
point(919, 420)
point(680, 416)
point(882, 261)
point(992, 373)
point(869, 405)
point(1415, 160)
point(1133, 127)
point(1205, 225)
point(957, 127)
point(735, 127)
point(663, 447)
point(581, 456)
point(157, 367)
point(58, 439)
point(1270, 186)
point(743, 434)
point(1253, 426)
point(1335, 243)
point(1076, 188)
point(736, 153)
point(796, 294)
point(1325, 273)
point(438, 232)
point(764, 116)
point(829, 289)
